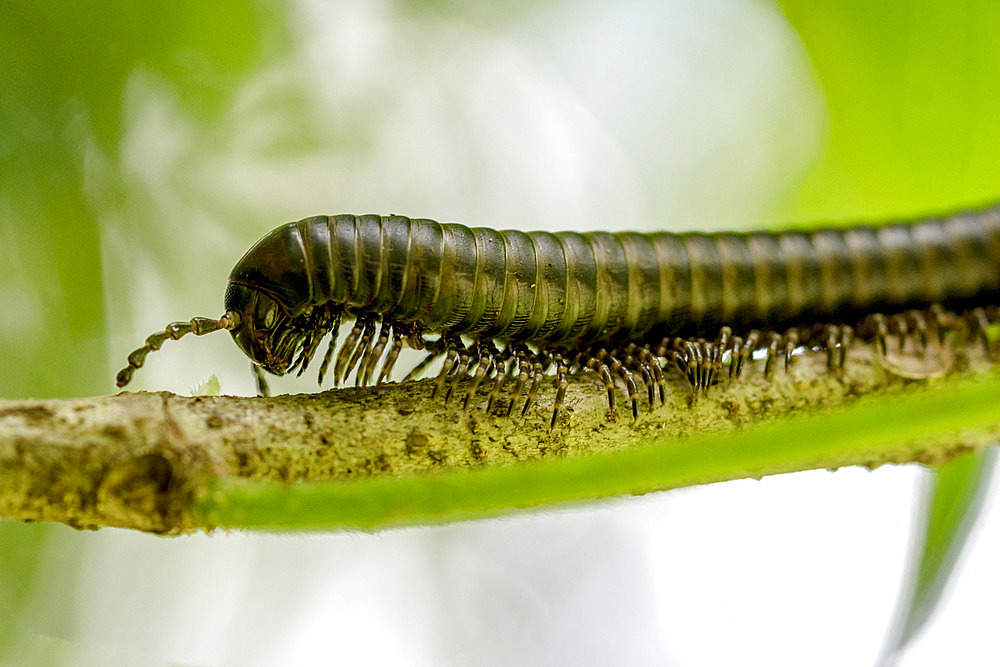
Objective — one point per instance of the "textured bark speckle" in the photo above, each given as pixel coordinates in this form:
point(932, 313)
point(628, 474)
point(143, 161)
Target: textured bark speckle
point(140, 460)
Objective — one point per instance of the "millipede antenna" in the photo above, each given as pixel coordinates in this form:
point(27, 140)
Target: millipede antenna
point(199, 326)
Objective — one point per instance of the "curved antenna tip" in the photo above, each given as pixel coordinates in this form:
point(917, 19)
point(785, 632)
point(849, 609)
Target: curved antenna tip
point(199, 326)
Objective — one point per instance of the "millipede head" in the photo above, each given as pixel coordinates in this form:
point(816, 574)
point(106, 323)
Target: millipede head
point(268, 333)
point(199, 326)
point(276, 337)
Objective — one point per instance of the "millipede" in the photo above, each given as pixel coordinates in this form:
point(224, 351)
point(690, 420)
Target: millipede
point(505, 309)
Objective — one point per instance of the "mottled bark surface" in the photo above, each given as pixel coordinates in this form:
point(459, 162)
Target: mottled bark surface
point(140, 460)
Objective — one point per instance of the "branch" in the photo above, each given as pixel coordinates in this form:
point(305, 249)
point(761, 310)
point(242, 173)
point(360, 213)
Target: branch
point(170, 464)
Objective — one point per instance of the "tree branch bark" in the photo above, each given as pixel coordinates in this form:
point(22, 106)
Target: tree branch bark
point(140, 460)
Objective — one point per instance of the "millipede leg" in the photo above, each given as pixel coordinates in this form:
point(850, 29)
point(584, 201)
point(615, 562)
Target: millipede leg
point(772, 353)
point(561, 384)
point(450, 359)
point(617, 368)
point(697, 367)
point(594, 363)
point(497, 385)
point(846, 339)
point(391, 357)
point(424, 363)
point(902, 330)
point(677, 353)
point(735, 357)
point(260, 380)
point(522, 376)
point(461, 370)
point(749, 346)
point(317, 325)
point(716, 351)
point(633, 393)
point(376, 354)
point(703, 361)
point(713, 359)
point(689, 364)
point(660, 381)
point(792, 338)
point(703, 355)
point(919, 323)
point(724, 337)
point(361, 353)
point(300, 361)
point(936, 322)
point(980, 328)
point(483, 365)
point(831, 341)
point(686, 359)
point(837, 338)
point(329, 353)
point(536, 377)
point(347, 351)
point(881, 333)
point(646, 371)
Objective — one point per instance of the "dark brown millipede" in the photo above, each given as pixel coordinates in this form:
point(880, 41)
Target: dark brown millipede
point(633, 307)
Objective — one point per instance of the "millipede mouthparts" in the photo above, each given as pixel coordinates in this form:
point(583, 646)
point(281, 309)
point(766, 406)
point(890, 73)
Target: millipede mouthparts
point(505, 309)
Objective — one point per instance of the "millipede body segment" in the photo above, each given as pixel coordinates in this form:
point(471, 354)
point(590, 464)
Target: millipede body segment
point(505, 307)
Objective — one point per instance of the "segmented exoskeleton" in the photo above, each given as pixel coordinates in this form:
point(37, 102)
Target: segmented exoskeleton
point(509, 305)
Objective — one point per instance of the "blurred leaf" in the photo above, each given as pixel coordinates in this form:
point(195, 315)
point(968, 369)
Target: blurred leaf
point(952, 499)
point(19, 547)
point(913, 94)
point(85, 50)
point(64, 69)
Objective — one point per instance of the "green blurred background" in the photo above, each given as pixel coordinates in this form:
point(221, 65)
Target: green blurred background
point(144, 147)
